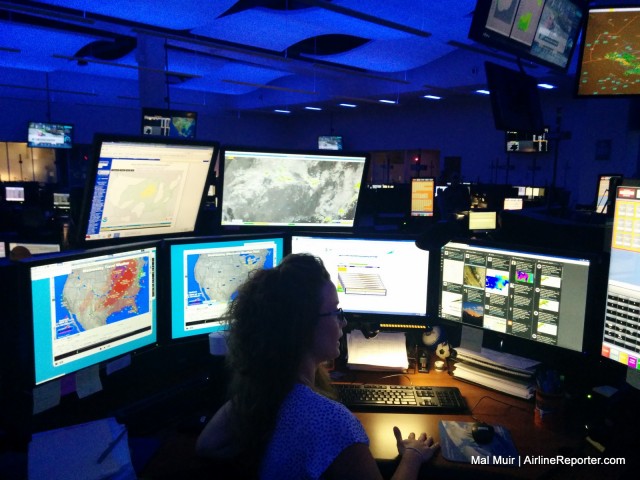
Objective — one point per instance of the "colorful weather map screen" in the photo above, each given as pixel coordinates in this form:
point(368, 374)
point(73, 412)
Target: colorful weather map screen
point(610, 61)
point(205, 277)
point(90, 309)
point(528, 295)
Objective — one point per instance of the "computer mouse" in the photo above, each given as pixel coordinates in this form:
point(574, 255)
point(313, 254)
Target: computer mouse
point(482, 432)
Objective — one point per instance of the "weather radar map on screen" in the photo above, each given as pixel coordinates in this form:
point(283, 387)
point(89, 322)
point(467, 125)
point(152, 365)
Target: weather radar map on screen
point(90, 309)
point(610, 64)
point(206, 275)
point(290, 189)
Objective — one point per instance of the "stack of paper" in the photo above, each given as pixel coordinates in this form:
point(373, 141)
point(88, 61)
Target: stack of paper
point(385, 351)
point(496, 370)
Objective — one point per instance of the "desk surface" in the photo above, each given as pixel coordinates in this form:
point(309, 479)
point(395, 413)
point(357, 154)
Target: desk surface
point(485, 405)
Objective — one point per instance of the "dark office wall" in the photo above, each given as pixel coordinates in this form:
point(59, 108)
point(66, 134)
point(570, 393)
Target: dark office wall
point(600, 140)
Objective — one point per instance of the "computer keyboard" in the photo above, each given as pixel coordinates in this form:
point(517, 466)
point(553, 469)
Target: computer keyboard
point(400, 398)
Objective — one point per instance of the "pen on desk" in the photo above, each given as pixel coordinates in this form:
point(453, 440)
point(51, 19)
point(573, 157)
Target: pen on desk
point(112, 445)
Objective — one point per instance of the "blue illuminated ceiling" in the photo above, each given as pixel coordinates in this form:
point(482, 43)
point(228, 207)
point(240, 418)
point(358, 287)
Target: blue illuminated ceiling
point(239, 55)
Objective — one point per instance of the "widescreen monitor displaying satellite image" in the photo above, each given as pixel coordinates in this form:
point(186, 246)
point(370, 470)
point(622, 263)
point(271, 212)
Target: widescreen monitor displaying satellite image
point(290, 189)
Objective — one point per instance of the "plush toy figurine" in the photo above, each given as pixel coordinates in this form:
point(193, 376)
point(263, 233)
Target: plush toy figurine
point(435, 340)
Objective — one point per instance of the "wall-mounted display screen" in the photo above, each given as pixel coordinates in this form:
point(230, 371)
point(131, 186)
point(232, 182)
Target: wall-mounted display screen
point(539, 297)
point(291, 189)
point(330, 142)
point(205, 276)
point(525, 142)
point(90, 307)
point(169, 123)
point(49, 135)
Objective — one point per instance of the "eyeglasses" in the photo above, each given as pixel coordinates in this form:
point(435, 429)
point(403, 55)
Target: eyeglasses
point(339, 314)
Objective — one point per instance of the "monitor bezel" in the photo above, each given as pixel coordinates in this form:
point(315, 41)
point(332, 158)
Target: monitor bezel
point(85, 209)
point(25, 319)
point(253, 228)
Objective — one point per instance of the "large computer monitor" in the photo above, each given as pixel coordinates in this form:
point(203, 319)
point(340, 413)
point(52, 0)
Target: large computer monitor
point(90, 306)
point(534, 296)
point(263, 188)
point(422, 196)
point(383, 276)
point(206, 273)
point(145, 187)
point(621, 337)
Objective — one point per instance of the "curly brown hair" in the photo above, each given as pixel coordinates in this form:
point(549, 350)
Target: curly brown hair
point(272, 320)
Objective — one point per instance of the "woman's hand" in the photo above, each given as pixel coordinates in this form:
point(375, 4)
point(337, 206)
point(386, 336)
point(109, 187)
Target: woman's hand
point(423, 445)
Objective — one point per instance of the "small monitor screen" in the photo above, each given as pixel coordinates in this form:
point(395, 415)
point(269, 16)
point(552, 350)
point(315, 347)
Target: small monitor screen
point(145, 187)
point(277, 189)
point(14, 194)
point(608, 62)
point(169, 123)
point(61, 200)
point(3, 252)
point(205, 276)
point(330, 142)
point(50, 135)
point(525, 142)
point(540, 297)
point(515, 203)
point(422, 195)
point(371, 273)
point(91, 307)
point(482, 220)
point(622, 317)
point(37, 248)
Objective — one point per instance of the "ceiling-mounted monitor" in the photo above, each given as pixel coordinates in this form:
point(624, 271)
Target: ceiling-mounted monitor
point(608, 65)
point(515, 100)
point(330, 142)
point(276, 188)
point(49, 135)
point(145, 187)
point(542, 31)
point(527, 142)
point(169, 123)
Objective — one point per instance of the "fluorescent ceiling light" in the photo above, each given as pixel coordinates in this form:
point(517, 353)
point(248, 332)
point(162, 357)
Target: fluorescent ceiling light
point(483, 92)
point(313, 108)
point(348, 105)
point(282, 111)
point(432, 97)
point(546, 86)
point(386, 101)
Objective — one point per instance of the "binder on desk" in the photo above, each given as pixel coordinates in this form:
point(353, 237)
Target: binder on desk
point(387, 351)
point(499, 371)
